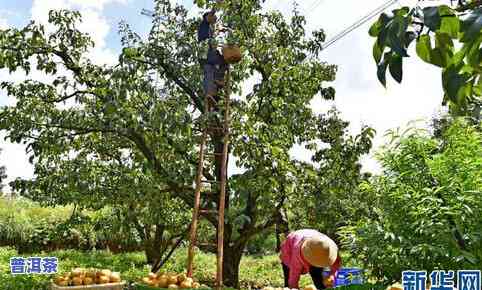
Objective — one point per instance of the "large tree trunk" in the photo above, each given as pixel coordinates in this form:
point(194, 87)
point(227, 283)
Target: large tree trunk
point(231, 262)
point(152, 250)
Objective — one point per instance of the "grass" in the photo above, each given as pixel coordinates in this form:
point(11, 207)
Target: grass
point(255, 271)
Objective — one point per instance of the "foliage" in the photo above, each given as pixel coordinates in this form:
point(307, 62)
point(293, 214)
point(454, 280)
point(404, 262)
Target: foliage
point(3, 175)
point(120, 140)
point(425, 207)
point(448, 37)
point(30, 227)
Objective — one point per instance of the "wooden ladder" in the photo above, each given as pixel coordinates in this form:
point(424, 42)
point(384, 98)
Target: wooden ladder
point(197, 211)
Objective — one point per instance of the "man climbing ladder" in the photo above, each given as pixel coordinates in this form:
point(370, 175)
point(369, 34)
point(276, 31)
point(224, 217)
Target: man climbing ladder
point(216, 79)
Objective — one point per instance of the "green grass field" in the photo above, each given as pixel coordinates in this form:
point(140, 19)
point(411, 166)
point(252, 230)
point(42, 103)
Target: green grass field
point(255, 271)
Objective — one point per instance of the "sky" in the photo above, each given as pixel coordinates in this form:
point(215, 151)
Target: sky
point(360, 98)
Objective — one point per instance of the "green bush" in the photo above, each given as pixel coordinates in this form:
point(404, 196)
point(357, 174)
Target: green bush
point(32, 228)
point(426, 207)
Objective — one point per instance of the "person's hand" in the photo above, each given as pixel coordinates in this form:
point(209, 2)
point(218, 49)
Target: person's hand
point(329, 281)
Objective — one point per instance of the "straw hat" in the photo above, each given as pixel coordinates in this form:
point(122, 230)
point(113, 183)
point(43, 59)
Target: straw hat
point(320, 251)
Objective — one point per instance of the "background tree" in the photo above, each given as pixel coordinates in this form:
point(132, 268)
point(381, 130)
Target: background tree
point(118, 112)
point(3, 175)
point(425, 207)
point(448, 36)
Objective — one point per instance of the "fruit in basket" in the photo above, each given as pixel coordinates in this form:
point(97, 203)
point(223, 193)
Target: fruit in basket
point(172, 279)
point(77, 281)
point(115, 277)
point(91, 273)
point(103, 279)
point(89, 281)
point(310, 287)
point(186, 284)
point(63, 283)
point(163, 282)
point(76, 272)
point(172, 286)
point(181, 278)
point(104, 272)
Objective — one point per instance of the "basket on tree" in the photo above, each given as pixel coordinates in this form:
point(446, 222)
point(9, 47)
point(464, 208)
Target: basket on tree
point(231, 53)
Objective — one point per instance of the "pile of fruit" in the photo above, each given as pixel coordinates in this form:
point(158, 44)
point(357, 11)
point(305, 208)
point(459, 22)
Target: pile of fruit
point(80, 276)
point(171, 281)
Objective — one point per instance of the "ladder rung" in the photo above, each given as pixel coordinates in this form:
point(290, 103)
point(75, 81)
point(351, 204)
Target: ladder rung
point(205, 211)
point(209, 193)
point(214, 154)
point(209, 181)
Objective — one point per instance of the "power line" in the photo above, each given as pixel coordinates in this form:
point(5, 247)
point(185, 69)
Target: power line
point(359, 23)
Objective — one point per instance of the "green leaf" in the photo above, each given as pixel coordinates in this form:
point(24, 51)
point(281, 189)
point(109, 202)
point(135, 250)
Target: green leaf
point(449, 22)
point(472, 25)
point(474, 55)
point(452, 82)
point(377, 52)
point(439, 57)
point(443, 41)
point(382, 68)
point(375, 28)
point(409, 37)
point(424, 47)
point(431, 18)
point(395, 67)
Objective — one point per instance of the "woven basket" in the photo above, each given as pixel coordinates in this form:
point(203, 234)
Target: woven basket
point(109, 286)
point(231, 53)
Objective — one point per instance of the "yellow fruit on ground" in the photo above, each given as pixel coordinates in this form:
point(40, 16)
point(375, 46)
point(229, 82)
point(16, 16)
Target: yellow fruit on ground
point(163, 282)
point(268, 288)
point(186, 284)
point(181, 277)
point(91, 273)
point(152, 276)
point(171, 279)
point(146, 280)
point(105, 272)
point(310, 287)
point(103, 279)
point(59, 279)
point(77, 281)
point(63, 283)
point(67, 274)
point(396, 286)
point(172, 286)
point(196, 285)
point(77, 272)
point(115, 277)
point(88, 281)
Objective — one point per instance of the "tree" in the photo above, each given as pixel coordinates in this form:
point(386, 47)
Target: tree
point(3, 175)
point(119, 111)
point(446, 36)
point(425, 207)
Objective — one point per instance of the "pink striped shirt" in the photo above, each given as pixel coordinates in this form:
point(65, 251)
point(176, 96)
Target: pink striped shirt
point(292, 257)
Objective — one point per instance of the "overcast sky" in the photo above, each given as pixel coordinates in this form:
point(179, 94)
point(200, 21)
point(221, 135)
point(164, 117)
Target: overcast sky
point(359, 96)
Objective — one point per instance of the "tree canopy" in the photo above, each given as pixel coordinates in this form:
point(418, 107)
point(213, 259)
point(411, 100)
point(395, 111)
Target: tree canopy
point(447, 36)
point(109, 134)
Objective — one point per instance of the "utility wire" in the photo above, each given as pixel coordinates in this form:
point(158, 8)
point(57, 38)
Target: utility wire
point(359, 23)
